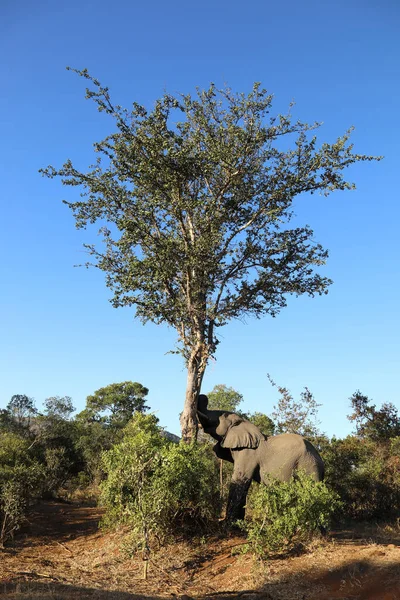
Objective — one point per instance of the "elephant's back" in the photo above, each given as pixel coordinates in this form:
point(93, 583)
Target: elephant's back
point(284, 441)
point(285, 453)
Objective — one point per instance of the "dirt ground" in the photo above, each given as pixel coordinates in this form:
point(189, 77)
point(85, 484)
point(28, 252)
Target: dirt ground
point(62, 554)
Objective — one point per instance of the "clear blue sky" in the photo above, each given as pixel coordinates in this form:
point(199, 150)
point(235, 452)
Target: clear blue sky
point(340, 62)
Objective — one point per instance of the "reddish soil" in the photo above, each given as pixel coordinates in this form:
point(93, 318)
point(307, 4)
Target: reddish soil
point(63, 555)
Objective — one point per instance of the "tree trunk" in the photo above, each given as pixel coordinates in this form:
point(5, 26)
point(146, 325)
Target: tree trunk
point(196, 367)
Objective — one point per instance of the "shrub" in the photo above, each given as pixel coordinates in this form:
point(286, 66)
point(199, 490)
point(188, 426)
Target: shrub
point(281, 515)
point(57, 469)
point(159, 488)
point(366, 475)
point(187, 485)
point(20, 483)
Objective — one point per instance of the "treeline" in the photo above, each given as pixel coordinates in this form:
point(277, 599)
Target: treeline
point(44, 452)
point(115, 452)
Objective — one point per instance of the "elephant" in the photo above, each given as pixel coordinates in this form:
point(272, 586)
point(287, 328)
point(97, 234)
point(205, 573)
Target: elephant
point(255, 457)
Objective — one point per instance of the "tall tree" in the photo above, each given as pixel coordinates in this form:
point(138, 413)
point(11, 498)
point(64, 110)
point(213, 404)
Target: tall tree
point(194, 200)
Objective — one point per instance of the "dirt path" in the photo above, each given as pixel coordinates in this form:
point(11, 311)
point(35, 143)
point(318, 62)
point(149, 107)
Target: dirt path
point(63, 555)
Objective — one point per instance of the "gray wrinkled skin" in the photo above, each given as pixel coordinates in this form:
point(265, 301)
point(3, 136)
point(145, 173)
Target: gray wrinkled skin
point(255, 457)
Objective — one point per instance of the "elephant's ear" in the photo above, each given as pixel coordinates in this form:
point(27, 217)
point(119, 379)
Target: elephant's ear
point(242, 434)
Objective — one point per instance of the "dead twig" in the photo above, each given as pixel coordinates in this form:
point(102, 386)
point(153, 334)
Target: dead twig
point(35, 574)
point(65, 547)
point(171, 579)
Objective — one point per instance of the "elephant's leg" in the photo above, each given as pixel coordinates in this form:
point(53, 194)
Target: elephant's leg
point(235, 509)
point(244, 471)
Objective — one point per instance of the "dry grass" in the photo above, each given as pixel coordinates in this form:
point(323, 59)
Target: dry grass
point(64, 555)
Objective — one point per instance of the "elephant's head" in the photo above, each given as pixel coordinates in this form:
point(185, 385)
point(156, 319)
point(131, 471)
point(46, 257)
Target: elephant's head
point(202, 403)
point(238, 433)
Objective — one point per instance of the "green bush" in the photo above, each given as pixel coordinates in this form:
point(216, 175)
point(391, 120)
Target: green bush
point(160, 489)
point(187, 485)
point(21, 480)
point(57, 469)
point(282, 515)
point(366, 475)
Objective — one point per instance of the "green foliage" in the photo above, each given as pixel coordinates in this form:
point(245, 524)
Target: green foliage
point(93, 438)
point(223, 397)
point(56, 443)
point(20, 483)
point(100, 424)
point(282, 515)
point(187, 479)
point(59, 407)
point(366, 475)
point(129, 467)
point(159, 488)
point(194, 201)
point(263, 422)
point(226, 398)
point(59, 468)
point(291, 416)
point(116, 403)
point(19, 414)
point(377, 425)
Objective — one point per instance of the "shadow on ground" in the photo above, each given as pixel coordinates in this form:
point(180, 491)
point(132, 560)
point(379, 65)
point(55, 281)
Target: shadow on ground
point(356, 580)
point(53, 520)
point(364, 533)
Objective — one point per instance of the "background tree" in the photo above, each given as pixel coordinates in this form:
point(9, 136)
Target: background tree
point(20, 412)
point(56, 443)
point(377, 425)
point(223, 397)
point(59, 407)
point(263, 422)
point(101, 423)
point(226, 398)
point(194, 200)
point(115, 404)
point(291, 416)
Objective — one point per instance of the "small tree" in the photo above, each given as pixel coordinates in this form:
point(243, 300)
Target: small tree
point(101, 423)
point(377, 425)
point(55, 443)
point(293, 416)
point(194, 201)
point(21, 482)
point(159, 488)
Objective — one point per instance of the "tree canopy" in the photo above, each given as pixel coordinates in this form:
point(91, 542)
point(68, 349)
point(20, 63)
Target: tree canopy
point(223, 397)
point(194, 203)
point(227, 398)
point(115, 404)
point(19, 413)
point(59, 407)
point(377, 425)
